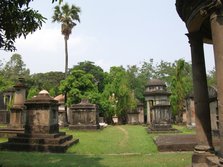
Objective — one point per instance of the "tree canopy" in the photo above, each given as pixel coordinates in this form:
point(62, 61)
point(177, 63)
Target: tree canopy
point(17, 19)
point(79, 85)
point(115, 92)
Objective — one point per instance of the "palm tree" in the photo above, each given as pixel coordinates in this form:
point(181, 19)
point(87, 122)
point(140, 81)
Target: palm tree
point(67, 16)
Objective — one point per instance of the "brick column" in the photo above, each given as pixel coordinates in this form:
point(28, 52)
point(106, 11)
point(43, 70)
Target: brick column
point(202, 110)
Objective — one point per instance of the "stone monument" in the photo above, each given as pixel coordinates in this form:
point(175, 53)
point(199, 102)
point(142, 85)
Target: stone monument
point(84, 116)
point(41, 128)
point(4, 113)
point(158, 106)
point(17, 111)
point(136, 116)
point(61, 110)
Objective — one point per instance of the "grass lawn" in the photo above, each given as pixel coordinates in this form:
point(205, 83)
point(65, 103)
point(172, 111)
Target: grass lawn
point(115, 146)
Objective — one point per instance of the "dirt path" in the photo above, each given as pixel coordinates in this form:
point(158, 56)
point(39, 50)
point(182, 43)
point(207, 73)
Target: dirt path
point(124, 141)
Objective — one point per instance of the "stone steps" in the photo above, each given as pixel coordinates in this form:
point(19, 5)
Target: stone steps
point(37, 135)
point(55, 148)
point(58, 142)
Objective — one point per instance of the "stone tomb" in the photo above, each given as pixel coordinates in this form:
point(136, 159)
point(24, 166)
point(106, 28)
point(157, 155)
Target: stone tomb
point(136, 116)
point(84, 116)
point(158, 107)
point(41, 128)
point(17, 112)
point(4, 114)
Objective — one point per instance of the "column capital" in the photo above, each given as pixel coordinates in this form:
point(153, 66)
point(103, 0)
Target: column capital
point(195, 37)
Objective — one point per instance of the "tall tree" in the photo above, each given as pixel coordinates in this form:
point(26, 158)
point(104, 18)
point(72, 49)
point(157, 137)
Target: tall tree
point(67, 16)
point(119, 93)
point(15, 68)
point(180, 86)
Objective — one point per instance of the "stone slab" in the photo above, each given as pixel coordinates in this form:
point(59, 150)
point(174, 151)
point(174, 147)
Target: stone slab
point(169, 130)
point(9, 132)
point(175, 142)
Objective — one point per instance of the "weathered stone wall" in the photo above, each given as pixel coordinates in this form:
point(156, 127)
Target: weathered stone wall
point(83, 117)
point(133, 118)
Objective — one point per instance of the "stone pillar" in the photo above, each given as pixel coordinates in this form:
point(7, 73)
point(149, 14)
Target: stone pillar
point(148, 113)
point(202, 109)
point(20, 93)
point(17, 113)
point(217, 38)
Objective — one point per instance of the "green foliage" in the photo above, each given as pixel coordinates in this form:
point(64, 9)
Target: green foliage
point(33, 91)
point(96, 71)
point(49, 81)
point(211, 78)
point(118, 92)
point(17, 19)
point(11, 71)
point(79, 85)
point(165, 71)
point(60, 1)
point(66, 15)
point(15, 68)
point(5, 83)
point(181, 85)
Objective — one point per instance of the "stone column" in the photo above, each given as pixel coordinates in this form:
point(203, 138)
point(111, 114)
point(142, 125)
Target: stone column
point(20, 94)
point(17, 113)
point(217, 38)
point(148, 113)
point(202, 109)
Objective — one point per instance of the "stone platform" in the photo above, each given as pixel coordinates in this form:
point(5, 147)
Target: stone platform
point(9, 132)
point(175, 142)
point(162, 129)
point(57, 142)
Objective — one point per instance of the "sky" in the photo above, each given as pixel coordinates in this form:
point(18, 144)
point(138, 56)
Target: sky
point(111, 33)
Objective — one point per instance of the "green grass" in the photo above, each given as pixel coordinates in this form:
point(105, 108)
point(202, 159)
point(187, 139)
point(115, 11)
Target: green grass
point(3, 140)
point(114, 140)
point(184, 129)
point(3, 125)
point(14, 159)
point(115, 146)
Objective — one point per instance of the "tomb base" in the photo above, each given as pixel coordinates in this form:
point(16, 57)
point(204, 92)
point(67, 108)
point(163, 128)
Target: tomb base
point(162, 128)
point(57, 142)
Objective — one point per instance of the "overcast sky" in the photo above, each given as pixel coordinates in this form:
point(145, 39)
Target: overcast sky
point(111, 33)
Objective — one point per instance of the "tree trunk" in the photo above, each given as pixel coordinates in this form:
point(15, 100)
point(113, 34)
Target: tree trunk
point(66, 57)
point(66, 71)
